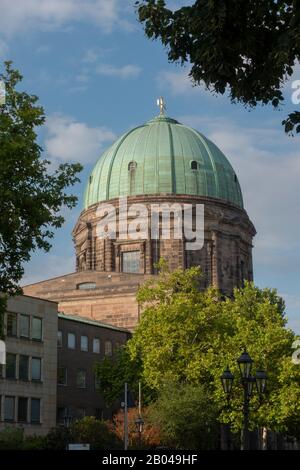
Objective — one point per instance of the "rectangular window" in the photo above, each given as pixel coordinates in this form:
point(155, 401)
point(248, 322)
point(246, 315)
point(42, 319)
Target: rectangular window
point(84, 343)
point(61, 414)
point(96, 345)
point(36, 368)
point(131, 262)
point(12, 321)
point(71, 341)
point(22, 409)
point(81, 413)
point(23, 367)
point(81, 378)
point(9, 408)
point(24, 326)
point(108, 348)
point(62, 376)
point(97, 383)
point(11, 360)
point(37, 329)
point(35, 410)
point(59, 339)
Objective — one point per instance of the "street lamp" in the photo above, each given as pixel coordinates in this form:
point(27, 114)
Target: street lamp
point(248, 383)
point(245, 365)
point(139, 424)
point(227, 381)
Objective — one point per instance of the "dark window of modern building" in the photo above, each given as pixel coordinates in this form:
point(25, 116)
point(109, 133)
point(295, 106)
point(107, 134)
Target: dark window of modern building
point(131, 261)
point(22, 409)
point(84, 343)
point(12, 322)
point(97, 383)
point(81, 413)
point(36, 368)
point(9, 408)
point(62, 413)
point(86, 286)
point(81, 378)
point(35, 410)
point(108, 348)
point(11, 360)
point(71, 341)
point(37, 329)
point(23, 367)
point(96, 345)
point(194, 165)
point(59, 339)
point(62, 376)
point(24, 326)
point(99, 414)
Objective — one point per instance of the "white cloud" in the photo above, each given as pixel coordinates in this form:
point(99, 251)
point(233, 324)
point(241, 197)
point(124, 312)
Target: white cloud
point(126, 71)
point(70, 140)
point(23, 15)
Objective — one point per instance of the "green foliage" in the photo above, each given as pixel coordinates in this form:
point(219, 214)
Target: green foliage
point(245, 48)
point(189, 336)
point(114, 372)
point(11, 438)
point(186, 416)
point(88, 430)
point(96, 433)
point(31, 197)
point(14, 439)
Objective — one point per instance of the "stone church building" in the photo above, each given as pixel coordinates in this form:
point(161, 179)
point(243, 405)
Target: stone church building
point(161, 163)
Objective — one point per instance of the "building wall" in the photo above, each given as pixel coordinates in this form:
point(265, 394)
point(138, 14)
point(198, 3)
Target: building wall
point(72, 401)
point(46, 349)
point(225, 257)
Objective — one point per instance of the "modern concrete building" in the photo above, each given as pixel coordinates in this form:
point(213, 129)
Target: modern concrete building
point(82, 343)
point(28, 380)
point(161, 162)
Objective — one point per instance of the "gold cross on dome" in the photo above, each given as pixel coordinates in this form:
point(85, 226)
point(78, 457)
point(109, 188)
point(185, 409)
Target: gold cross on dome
point(161, 104)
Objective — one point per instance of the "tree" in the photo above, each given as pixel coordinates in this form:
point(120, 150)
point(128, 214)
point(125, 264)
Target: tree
point(246, 48)
point(88, 430)
point(31, 197)
point(114, 372)
point(151, 433)
point(189, 337)
point(186, 416)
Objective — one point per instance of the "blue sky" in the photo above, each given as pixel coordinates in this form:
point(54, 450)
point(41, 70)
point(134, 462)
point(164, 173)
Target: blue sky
point(97, 75)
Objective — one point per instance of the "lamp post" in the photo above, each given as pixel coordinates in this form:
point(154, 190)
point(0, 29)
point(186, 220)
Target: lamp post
point(248, 383)
point(139, 424)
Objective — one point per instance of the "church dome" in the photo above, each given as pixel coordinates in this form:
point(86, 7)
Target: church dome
point(163, 156)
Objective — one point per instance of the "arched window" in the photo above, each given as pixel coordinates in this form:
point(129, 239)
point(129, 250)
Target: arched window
point(194, 165)
point(131, 166)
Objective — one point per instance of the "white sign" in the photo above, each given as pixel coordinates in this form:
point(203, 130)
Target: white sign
point(2, 352)
point(79, 447)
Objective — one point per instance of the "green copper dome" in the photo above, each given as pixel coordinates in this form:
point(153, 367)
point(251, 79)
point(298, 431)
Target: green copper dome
point(163, 157)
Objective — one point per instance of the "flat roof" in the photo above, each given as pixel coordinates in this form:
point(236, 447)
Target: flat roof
point(89, 321)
